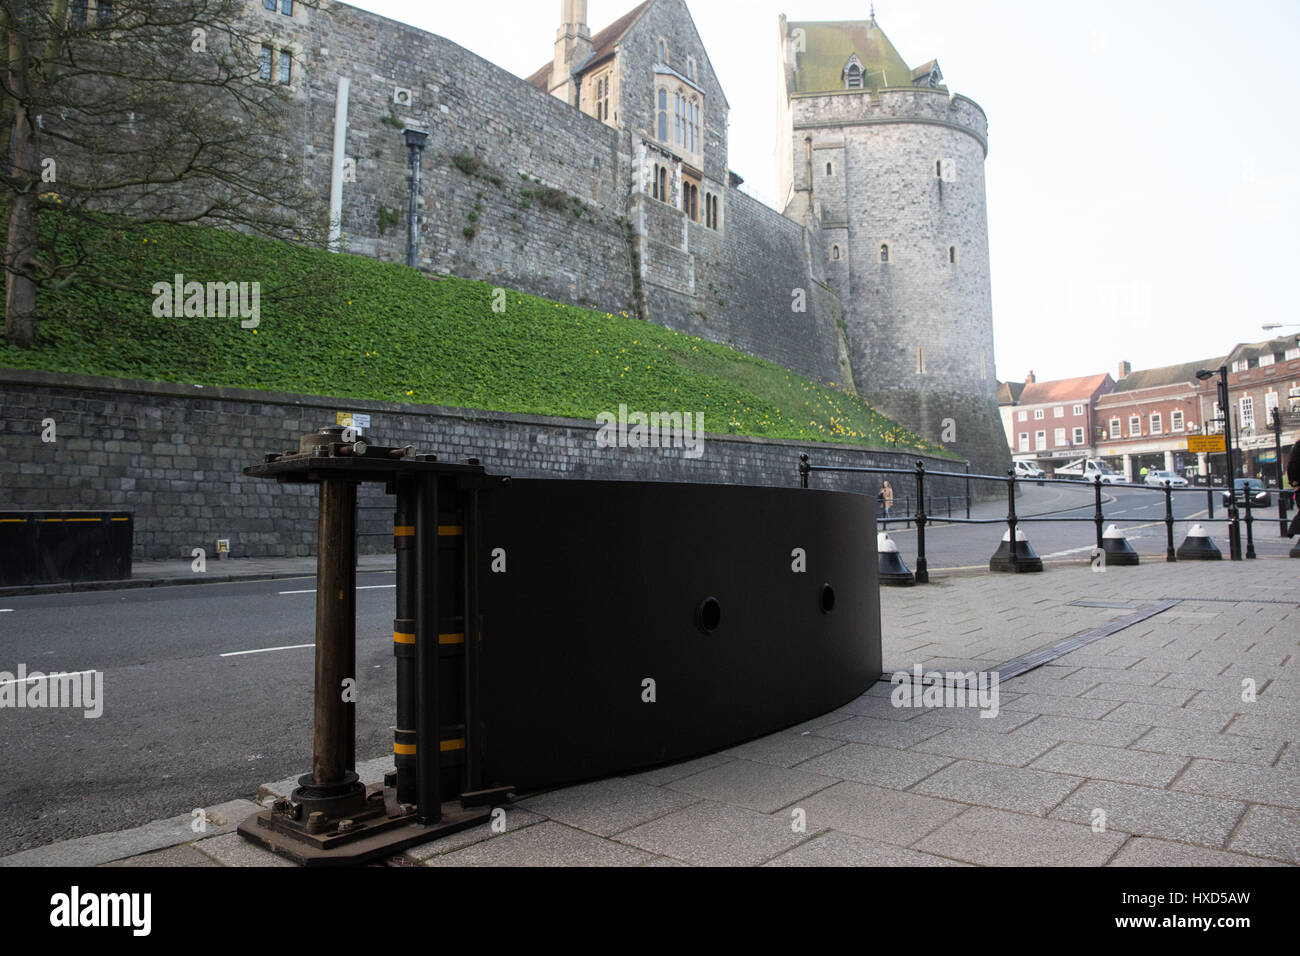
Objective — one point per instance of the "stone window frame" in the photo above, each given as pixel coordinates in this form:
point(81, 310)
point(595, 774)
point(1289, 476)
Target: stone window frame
point(854, 74)
point(680, 105)
point(920, 360)
point(885, 254)
point(712, 209)
point(692, 69)
point(601, 91)
point(835, 252)
point(691, 200)
point(659, 188)
point(664, 50)
point(266, 62)
point(830, 168)
point(954, 257)
point(945, 169)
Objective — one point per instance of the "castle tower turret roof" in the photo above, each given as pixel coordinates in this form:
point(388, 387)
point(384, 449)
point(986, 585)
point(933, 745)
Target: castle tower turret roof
point(825, 48)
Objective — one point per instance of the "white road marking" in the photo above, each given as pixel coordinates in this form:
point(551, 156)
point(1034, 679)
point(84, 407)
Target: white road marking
point(5, 610)
point(368, 587)
point(267, 650)
point(6, 683)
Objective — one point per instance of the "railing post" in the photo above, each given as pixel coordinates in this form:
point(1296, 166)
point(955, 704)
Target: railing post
point(804, 468)
point(1170, 553)
point(1250, 523)
point(967, 491)
point(1209, 488)
point(1011, 508)
point(1098, 518)
point(922, 566)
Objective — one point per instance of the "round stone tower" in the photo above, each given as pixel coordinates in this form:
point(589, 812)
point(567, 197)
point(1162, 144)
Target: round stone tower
point(887, 169)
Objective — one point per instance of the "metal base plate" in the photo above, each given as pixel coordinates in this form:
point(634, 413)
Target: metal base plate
point(371, 841)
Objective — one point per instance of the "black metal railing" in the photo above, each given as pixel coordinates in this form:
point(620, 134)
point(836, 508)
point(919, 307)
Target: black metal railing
point(922, 513)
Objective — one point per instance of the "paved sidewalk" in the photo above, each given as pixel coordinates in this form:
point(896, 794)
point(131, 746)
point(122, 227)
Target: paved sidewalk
point(1138, 746)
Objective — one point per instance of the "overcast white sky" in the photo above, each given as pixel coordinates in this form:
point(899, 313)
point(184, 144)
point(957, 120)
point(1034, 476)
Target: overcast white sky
point(1143, 187)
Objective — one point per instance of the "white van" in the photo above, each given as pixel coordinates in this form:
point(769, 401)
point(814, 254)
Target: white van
point(1027, 469)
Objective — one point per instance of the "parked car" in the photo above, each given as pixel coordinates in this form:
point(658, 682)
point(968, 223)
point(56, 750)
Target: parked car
point(1259, 496)
point(1027, 469)
point(1158, 478)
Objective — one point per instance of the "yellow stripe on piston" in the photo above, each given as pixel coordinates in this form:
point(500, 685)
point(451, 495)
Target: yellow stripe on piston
point(450, 530)
point(400, 638)
point(457, 744)
point(404, 750)
point(404, 531)
point(451, 638)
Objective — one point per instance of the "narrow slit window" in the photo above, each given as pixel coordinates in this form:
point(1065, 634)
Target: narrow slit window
point(884, 252)
point(952, 255)
point(286, 67)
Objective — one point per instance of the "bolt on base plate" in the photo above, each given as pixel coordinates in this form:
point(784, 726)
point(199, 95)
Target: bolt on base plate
point(362, 838)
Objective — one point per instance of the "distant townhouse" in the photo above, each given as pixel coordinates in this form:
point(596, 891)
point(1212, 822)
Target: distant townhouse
point(1147, 418)
point(1052, 422)
point(1264, 376)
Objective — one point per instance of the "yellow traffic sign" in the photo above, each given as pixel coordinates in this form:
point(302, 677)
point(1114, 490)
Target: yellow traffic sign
point(1207, 444)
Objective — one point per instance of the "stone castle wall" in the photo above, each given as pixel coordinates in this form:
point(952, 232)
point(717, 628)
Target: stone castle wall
point(174, 455)
point(525, 191)
point(920, 326)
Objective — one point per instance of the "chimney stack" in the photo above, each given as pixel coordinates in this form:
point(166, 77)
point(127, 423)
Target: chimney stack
point(1029, 379)
point(572, 49)
point(1125, 370)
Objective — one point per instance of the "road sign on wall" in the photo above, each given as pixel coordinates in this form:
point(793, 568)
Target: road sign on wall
point(1207, 444)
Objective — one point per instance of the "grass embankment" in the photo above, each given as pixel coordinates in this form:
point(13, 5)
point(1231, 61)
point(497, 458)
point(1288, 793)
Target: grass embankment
point(351, 327)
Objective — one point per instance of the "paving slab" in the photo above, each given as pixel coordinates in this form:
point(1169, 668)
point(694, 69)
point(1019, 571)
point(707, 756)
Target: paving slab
point(1112, 763)
point(785, 749)
point(1267, 785)
point(1226, 747)
point(106, 847)
point(667, 774)
point(1212, 721)
point(512, 819)
point(881, 766)
point(842, 849)
point(607, 806)
point(1146, 851)
point(1013, 749)
point(546, 844)
point(1170, 814)
point(184, 855)
point(1269, 832)
point(234, 850)
point(1062, 706)
point(883, 733)
point(999, 838)
point(878, 814)
point(993, 785)
point(712, 834)
point(744, 783)
point(1108, 733)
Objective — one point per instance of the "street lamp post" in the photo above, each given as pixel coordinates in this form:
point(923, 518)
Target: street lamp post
point(1234, 529)
point(415, 143)
point(1281, 483)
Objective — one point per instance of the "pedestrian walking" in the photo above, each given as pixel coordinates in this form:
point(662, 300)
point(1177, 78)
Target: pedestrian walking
point(887, 498)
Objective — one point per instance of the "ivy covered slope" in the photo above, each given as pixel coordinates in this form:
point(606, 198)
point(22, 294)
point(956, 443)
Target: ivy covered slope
point(350, 327)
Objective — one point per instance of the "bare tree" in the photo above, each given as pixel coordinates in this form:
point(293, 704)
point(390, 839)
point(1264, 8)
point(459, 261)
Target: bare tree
point(131, 113)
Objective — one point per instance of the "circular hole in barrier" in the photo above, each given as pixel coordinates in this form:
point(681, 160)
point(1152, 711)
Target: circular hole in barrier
point(708, 615)
point(827, 599)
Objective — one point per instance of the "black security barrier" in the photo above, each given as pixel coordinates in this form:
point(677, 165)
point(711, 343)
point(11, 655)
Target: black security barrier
point(56, 547)
point(922, 517)
point(549, 632)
